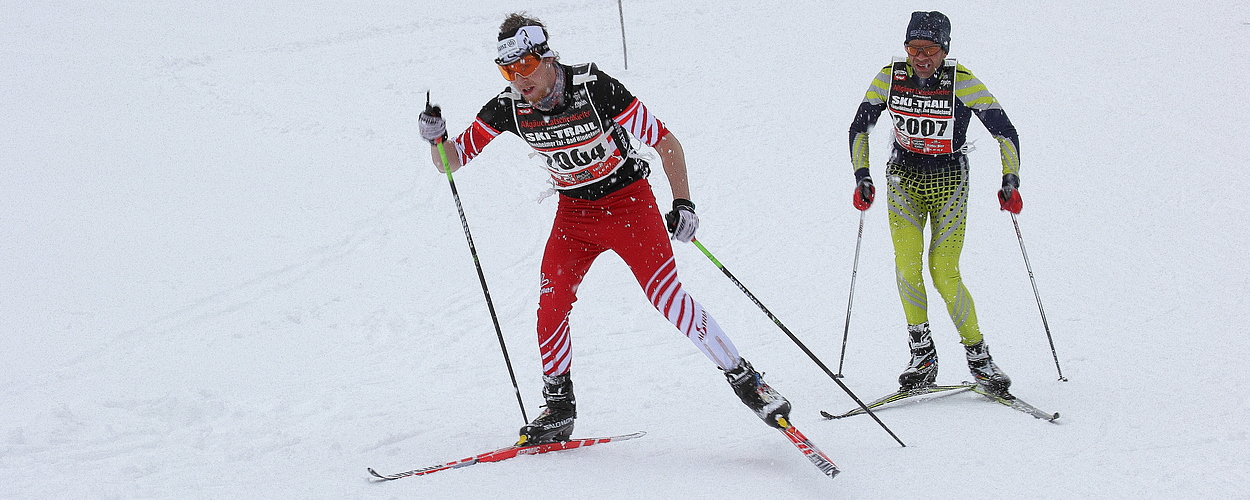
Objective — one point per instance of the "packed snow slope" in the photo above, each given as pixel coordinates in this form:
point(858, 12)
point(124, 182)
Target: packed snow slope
point(230, 270)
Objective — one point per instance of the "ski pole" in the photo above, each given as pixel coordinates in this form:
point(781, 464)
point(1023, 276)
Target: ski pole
point(442, 153)
point(795, 339)
point(1038, 296)
point(624, 49)
point(846, 329)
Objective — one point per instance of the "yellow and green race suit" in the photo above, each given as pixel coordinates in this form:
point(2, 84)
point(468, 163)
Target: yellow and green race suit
point(927, 176)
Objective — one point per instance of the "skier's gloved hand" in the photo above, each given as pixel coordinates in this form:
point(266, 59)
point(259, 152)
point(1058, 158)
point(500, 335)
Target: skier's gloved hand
point(682, 221)
point(1009, 194)
point(864, 193)
point(431, 124)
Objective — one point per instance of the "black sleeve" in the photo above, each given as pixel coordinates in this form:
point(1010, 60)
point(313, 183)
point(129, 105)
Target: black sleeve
point(497, 113)
point(865, 117)
point(997, 123)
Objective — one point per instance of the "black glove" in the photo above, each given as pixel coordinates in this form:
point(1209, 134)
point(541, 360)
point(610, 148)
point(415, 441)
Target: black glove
point(431, 124)
point(682, 221)
point(864, 192)
point(1009, 194)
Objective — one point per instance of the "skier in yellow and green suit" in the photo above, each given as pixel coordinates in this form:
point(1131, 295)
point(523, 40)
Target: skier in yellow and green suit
point(931, 100)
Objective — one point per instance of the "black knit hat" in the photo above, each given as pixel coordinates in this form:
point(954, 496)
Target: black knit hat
point(933, 26)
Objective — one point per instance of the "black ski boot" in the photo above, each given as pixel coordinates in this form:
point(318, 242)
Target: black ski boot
point(985, 371)
point(749, 385)
point(924, 362)
point(556, 422)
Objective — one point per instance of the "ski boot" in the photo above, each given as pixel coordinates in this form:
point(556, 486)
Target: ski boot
point(924, 362)
point(555, 423)
point(986, 372)
point(766, 402)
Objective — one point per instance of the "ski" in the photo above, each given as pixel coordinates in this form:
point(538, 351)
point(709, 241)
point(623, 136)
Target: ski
point(813, 454)
point(506, 453)
point(897, 396)
point(1014, 402)
point(1004, 399)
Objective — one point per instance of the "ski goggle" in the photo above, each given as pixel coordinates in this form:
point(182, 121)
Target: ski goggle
point(525, 66)
point(928, 50)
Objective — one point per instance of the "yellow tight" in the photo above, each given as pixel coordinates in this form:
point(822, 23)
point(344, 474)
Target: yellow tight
point(940, 195)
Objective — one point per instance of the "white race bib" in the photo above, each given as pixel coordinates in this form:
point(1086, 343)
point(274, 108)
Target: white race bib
point(924, 119)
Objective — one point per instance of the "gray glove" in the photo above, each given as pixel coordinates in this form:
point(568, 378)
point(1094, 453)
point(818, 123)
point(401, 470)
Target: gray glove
point(431, 124)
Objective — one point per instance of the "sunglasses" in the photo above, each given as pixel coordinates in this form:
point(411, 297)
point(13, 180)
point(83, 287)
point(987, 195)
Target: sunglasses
point(928, 50)
point(525, 66)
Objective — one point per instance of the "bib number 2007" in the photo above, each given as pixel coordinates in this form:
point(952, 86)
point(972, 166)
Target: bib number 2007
point(919, 126)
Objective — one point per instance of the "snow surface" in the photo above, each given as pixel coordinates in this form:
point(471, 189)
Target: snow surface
point(229, 270)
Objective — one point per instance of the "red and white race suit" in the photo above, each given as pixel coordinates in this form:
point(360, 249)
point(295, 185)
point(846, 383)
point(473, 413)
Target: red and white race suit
point(605, 204)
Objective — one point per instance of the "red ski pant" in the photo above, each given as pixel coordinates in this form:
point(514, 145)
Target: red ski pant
point(628, 223)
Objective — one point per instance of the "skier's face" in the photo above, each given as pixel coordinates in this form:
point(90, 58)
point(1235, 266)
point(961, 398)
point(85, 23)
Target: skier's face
point(537, 85)
point(925, 57)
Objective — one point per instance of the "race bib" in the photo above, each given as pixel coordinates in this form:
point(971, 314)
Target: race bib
point(924, 119)
point(577, 149)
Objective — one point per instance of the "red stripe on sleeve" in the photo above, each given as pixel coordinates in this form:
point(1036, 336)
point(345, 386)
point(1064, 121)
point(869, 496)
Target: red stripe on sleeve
point(640, 123)
point(473, 140)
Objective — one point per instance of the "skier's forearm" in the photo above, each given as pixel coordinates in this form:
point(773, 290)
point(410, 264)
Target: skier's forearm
point(452, 158)
point(674, 159)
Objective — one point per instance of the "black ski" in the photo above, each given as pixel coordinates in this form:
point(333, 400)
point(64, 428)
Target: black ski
point(899, 395)
point(1005, 399)
point(1014, 402)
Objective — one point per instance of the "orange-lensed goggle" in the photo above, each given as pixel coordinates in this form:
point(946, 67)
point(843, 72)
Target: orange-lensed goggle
point(525, 66)
point(928, 50)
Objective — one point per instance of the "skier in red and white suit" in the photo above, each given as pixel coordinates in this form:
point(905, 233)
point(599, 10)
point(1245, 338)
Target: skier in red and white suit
point(580, 120)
